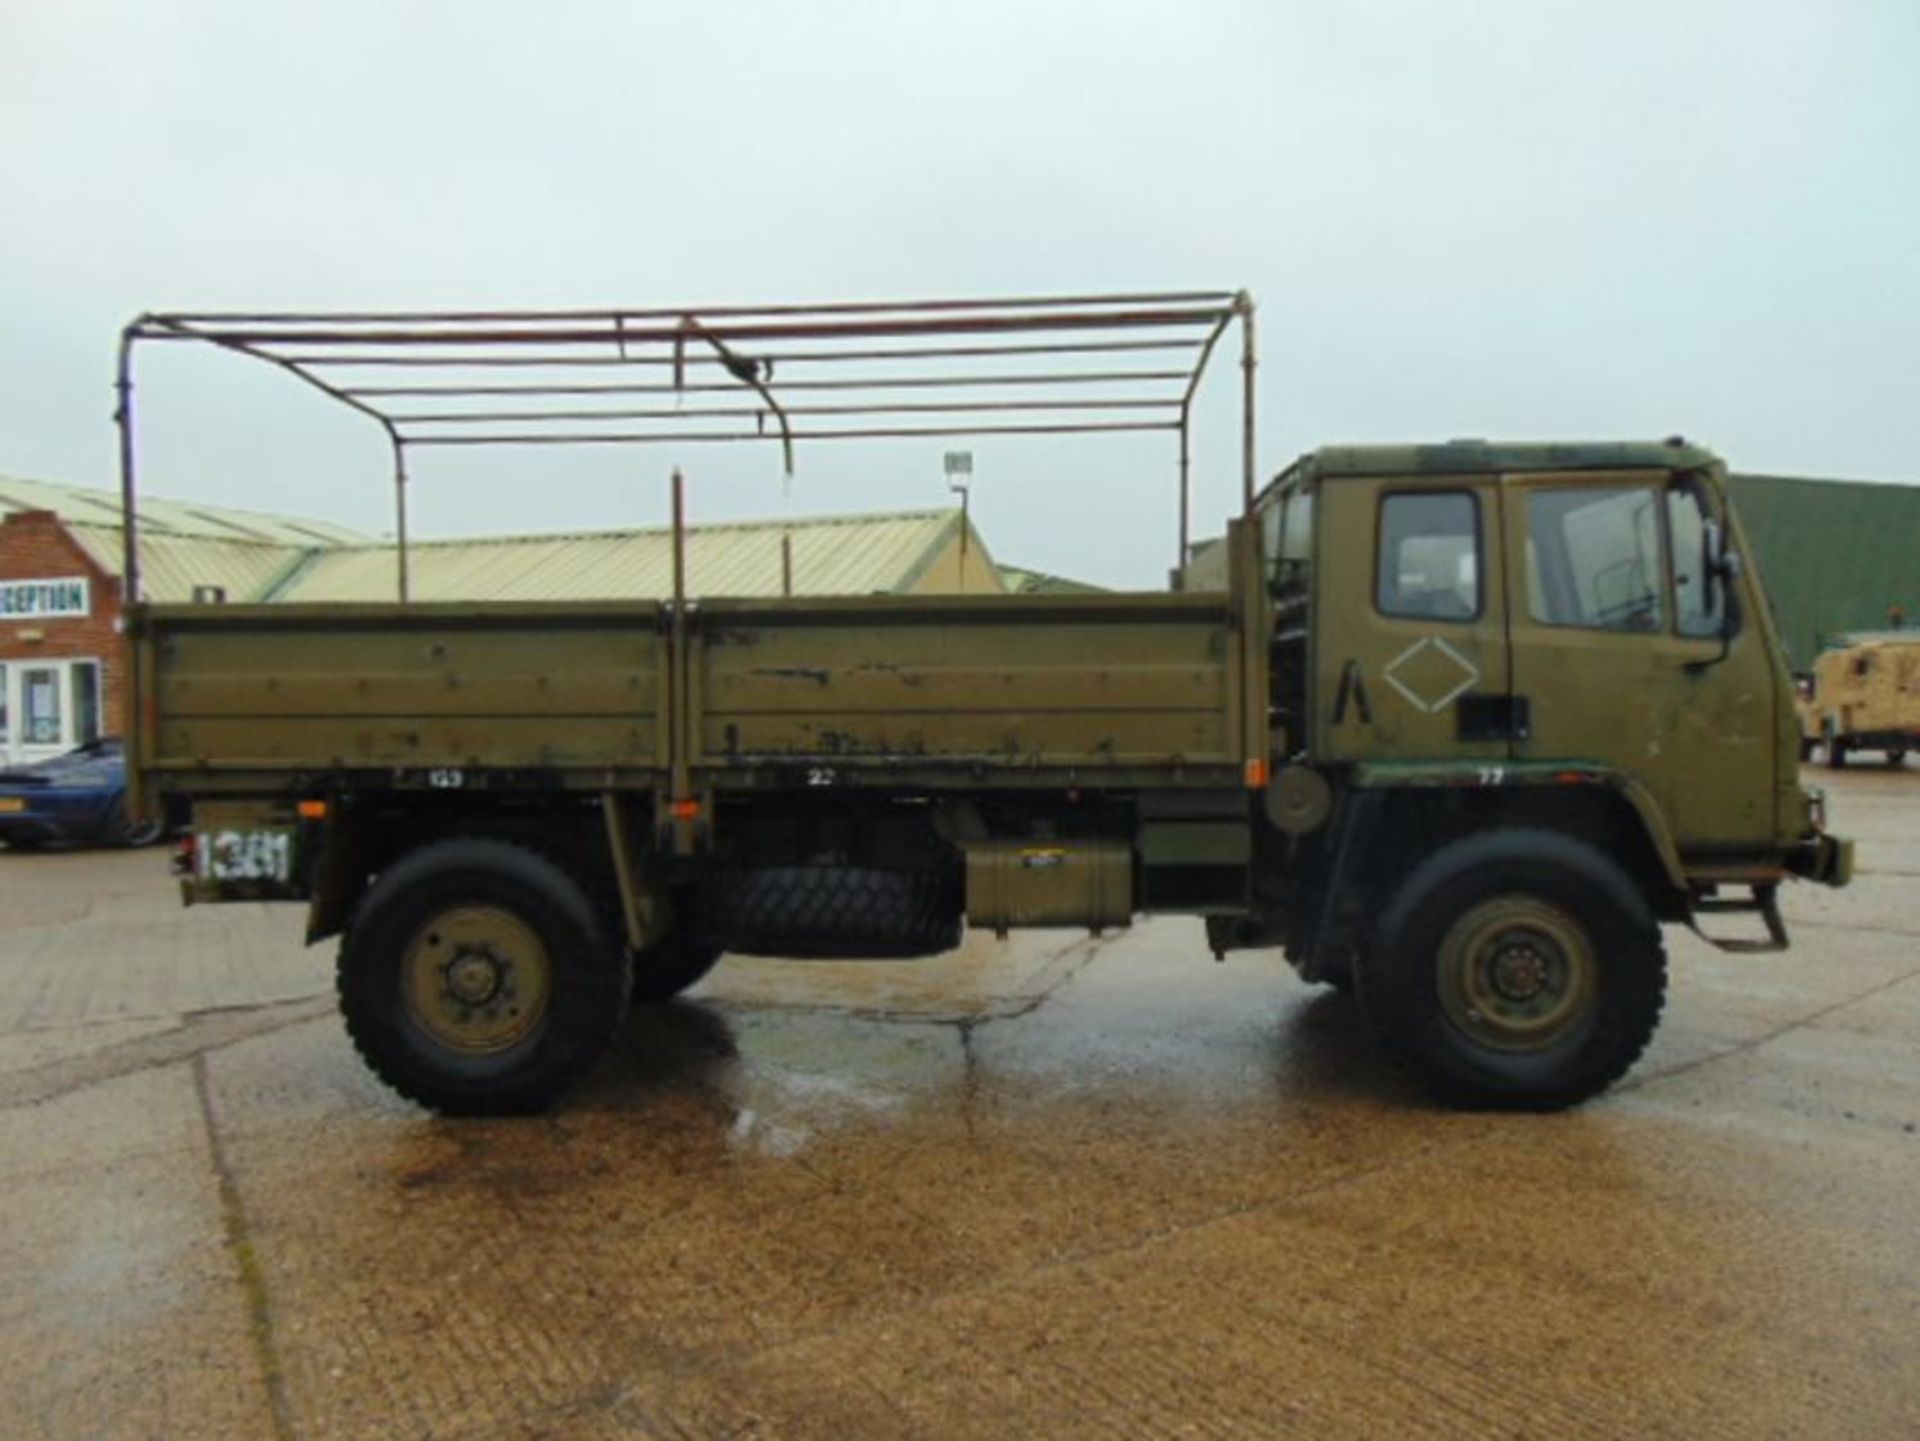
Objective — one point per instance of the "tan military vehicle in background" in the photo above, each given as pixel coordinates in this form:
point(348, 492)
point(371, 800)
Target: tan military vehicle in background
point(1459, 727)
point(1864, 695)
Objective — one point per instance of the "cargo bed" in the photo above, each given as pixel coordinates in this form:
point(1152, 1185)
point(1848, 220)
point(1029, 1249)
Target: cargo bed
point(1105, 690)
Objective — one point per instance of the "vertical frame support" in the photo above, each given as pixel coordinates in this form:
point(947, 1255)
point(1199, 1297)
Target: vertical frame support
point(1249, 361)
point(400, 517)
point(1186, 505)
point(682, 809)
point(1242, 308)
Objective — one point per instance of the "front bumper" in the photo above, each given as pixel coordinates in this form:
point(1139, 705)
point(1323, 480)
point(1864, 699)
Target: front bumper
point(54, 814)
point(1823, 858)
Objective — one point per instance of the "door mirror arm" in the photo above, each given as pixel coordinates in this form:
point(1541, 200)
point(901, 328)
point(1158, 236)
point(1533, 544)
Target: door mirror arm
point(1723, 567)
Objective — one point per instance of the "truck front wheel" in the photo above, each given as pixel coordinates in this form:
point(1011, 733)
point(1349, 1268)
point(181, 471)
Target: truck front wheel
point(1517, 969)
point(477, 978)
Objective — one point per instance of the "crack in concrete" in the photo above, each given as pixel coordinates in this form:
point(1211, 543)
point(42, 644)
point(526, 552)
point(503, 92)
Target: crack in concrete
point(253, 1285)
point(198, 1033)
point(1819, 925)
point(1639, 1082)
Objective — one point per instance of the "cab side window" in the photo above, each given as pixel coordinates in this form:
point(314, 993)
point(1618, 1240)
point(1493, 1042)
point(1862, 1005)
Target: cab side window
point(1594, 558)
point(1429, 563)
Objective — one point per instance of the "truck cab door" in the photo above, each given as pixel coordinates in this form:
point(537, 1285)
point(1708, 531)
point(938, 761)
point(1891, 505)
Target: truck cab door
point(1616, 628)
point(1409, 588)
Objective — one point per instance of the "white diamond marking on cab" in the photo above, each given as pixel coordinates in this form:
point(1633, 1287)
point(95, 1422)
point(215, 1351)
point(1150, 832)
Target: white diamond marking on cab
point(1469, 674)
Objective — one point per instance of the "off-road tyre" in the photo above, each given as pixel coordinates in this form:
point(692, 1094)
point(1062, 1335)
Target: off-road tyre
point(1896, 759)
point(539, 910)
point(1540, 886)
point(821, 911)
point(671, 965)
point(1836, 752)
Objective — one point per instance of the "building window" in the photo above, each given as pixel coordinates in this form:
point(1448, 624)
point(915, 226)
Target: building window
point(40, 706)
point(1429, 556)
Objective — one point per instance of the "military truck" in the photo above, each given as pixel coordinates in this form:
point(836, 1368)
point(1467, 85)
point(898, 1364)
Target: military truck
point(1864, 695)
point(1462, 727)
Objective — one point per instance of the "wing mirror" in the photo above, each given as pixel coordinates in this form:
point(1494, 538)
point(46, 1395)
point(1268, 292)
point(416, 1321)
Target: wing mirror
point(1722, 564)
point(1722, 567)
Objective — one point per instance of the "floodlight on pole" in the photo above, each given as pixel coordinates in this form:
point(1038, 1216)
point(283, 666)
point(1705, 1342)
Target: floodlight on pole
point(958, 464)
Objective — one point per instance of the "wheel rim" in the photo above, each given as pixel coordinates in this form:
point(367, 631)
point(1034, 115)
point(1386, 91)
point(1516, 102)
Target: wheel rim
point(1517, 974)
point(476, 979)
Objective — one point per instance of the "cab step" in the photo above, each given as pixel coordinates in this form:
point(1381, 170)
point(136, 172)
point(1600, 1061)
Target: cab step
point(1763, 901)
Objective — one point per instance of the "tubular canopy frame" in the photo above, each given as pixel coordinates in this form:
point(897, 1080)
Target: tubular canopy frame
point(1060, 365)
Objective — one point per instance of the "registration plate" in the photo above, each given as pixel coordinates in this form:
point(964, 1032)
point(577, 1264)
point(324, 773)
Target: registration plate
point(245, 855)
point(11, 805)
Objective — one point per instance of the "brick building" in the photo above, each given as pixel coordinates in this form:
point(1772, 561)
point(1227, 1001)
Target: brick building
point(59, 638)
point(62, 659)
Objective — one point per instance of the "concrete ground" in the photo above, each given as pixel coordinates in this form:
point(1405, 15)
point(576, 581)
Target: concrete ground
point(1054, 1188)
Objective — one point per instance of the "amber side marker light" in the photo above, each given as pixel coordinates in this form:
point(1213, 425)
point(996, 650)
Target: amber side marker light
point(686, 810)
point(1256, 773)
point(313, 810)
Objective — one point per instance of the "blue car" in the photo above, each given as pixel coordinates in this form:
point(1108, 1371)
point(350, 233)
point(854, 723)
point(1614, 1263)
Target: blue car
point(79, 796)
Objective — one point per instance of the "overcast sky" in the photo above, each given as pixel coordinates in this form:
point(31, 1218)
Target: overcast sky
point(1525, 219)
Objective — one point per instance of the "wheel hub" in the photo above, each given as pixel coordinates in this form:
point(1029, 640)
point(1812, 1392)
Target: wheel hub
point(1517, 973)
point(476, 979)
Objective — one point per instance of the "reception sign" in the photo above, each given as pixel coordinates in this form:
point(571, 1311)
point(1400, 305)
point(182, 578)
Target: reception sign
point(45, 599)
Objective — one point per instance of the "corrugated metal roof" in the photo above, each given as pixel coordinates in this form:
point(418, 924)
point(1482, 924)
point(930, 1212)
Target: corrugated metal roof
point(171, 566)
point(87, 505)
point(1835, 554)
point(832, 555)
point(253, 556)
point(1020, 581)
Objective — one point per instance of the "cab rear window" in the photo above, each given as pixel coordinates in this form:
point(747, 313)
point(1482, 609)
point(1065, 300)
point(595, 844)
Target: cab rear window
point(1429, 564)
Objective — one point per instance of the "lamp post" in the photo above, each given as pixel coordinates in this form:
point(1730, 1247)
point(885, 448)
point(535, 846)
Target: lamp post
point(959, 471)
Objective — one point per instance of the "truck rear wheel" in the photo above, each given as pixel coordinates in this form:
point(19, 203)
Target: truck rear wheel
point(1517, 970)
point(477, 978)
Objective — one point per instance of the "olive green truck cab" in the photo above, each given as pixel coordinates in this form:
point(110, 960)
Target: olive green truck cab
point(1466, 726)
point(1458, 728)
